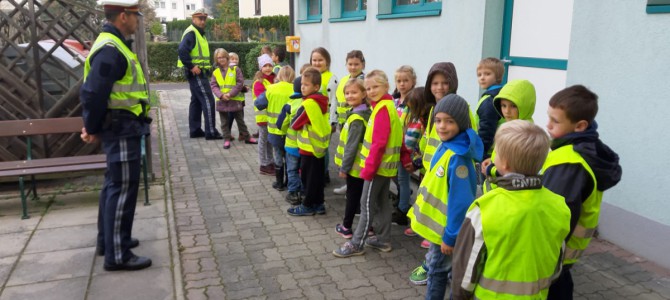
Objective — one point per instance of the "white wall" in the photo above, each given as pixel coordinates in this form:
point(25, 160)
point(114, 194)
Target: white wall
point(456, 36)
point(179, 13)
point(621, 53)
point(268, 8)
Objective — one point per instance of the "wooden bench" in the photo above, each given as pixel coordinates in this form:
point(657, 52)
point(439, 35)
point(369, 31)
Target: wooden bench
point(31, 167)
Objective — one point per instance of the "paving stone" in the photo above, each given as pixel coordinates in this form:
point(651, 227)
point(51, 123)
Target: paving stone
point(55, 265)
point(134, 284)
point(73, 288)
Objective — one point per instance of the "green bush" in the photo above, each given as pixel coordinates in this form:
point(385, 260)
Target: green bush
point(163, 58)
point(280, 24)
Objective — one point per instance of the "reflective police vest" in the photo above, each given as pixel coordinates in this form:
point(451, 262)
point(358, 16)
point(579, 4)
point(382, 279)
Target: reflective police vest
point(391, 157)
point(523, 269)
point(261, 115)
point(130, 92)
point(588, 218)
point(291, 140)
point(314, 137)
point(228, 83)
point(200, 53)
point(344, 135)
point(430, 139)
point(325, 79)
point(429, 213)
point(277, 95)
point(342, 106)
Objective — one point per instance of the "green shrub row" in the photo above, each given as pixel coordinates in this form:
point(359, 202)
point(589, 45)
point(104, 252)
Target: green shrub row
point(280, 23)
point(163, 58)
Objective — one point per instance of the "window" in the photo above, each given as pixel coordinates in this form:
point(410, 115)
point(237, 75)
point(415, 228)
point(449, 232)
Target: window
point(354, 8)
point(257, 7)
point(163, 19)
point(658, 6)
point(156, 4)
point(162, 4)
point(309, 11)
point(391, 9)
point(188, 7)
point(174, 5)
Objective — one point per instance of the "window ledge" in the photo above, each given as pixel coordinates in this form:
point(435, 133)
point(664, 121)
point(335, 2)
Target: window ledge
point(309, 21)
point(347, 19)
point(414, 14)
point(658, 9)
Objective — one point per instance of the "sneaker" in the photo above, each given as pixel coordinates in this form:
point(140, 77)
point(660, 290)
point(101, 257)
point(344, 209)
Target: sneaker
point(419, 276)
point(251, 141)
point(226, 144)
point(409, 232)
point(278, 186)
point(344, 231)
point(425, 244)
point(340, 190)
point(348, 250)
point(231, 138)
point(373, 242)
point(399, 217)
point(300, 211)
point(321, 209)
point(293, 198)
point(267, 170)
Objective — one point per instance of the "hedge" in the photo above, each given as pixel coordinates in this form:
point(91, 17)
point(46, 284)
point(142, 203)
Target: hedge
point(280, 24)
point(163, 58)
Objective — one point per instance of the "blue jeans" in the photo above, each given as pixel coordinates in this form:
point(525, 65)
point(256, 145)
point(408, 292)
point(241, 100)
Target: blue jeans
point(279, 156)
point(404, 189)
point(292, 167)
point(439, 266)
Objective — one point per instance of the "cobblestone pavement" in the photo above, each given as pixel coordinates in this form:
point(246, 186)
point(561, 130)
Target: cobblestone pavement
point(236, 240)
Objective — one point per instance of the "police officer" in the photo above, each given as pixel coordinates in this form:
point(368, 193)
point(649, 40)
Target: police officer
point(114, 107)
point(195, 59)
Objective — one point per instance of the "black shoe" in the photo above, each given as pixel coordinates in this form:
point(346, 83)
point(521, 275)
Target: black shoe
point(134, 263)
point(279, 177)
point(214, 137)
point(278, 186)
point(293, 198)
point(326, 179)
point(197, 134)
point(100, 251)
point(399, 217)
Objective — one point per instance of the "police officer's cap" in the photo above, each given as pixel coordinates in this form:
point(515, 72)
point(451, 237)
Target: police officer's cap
point(199, 12)
point(129, 6)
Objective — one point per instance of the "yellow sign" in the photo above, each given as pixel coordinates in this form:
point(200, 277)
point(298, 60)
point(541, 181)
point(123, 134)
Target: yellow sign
point(292, 44)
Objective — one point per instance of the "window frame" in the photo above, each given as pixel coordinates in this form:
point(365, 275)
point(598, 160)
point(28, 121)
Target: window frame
point(389, 9)
point(305, 17)
point(658, 6)
point(257, 7)
point(359, 12)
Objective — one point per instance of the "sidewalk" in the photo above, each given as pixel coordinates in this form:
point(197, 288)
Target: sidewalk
point(217, 230)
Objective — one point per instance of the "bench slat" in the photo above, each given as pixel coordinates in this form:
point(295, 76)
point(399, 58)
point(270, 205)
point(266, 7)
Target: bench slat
point(41, 126)
point(55, 169)
point(52, 162)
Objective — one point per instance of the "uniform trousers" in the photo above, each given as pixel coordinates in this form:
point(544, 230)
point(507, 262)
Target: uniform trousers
point(202, 104)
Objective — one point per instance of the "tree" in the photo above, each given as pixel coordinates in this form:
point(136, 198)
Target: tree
point(149, 14)
point(229, 10)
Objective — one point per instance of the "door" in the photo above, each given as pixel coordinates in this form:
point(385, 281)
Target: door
point(535, 46)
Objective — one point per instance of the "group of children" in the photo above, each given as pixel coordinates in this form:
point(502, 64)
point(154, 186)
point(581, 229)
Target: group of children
point(539, 208)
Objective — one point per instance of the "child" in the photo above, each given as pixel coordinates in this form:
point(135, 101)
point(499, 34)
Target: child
point(355, 63)
point(233, 60)
point(262, 80)
point(490, 73)
point(266, 50)
point(447, 190)
point(379, 163)
point(227, 82)
point(278, 56)
point(580, 168)
point(348, 150)
point(516, 100)
point(291, 144)
point(510, 244)
point(311, 124)
point(405, 79)
point(274, 98)
point(320, 59)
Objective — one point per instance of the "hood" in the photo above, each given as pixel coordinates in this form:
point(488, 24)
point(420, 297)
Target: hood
point(516, 181)
point(449, 71)
point(364, 113)
point(602, 159)
point(522, 93)
point(320, 99)
point(467, 144)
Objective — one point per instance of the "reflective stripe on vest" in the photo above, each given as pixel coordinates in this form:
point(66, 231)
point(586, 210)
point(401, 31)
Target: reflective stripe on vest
point(342, 106)
point(314, 137)
point(524, 233)
point(428, 215)
point(261, 115)
point(200, 52)
point(590, 212)
point(277, 95)
point(344, 136)
point(130, 92)
point(325, 79)
point(391, 156)
point(228, 83)
point(430, 139)
point(291, 135)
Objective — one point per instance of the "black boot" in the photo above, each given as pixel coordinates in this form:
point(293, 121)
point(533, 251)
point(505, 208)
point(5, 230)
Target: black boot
point(279, 176)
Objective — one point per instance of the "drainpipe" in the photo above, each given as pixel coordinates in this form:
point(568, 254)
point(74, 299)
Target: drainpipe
point(291, 29)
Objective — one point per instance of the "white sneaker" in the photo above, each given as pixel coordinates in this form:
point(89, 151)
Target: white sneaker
point(340, 190)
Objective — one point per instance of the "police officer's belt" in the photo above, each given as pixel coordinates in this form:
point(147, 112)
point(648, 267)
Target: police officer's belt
point(122, 114)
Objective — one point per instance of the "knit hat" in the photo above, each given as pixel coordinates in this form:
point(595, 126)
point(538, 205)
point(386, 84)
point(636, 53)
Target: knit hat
point(457, 108)
point(264, 60)
point(297, 93)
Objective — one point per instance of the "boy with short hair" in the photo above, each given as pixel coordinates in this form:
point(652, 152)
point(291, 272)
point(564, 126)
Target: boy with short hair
point(490, 73)
point(447, 190)
point(579, 168)
point(278, 56)
point(511, 242)
point(313, 131)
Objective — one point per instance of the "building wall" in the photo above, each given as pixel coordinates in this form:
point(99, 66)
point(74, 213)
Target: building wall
point(168, 10)
point(268, 8)
point(620, 52)
point(457, 35)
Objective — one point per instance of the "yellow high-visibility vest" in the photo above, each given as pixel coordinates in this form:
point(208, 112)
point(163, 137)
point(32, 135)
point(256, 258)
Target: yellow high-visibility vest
point(200, 53)
point(391, 156)
point(228, 83)
point(277, 95)
point(315, 136)
point(344, 135)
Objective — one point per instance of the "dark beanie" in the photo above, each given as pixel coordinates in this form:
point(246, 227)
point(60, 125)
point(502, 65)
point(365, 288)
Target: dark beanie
point(456, 107)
